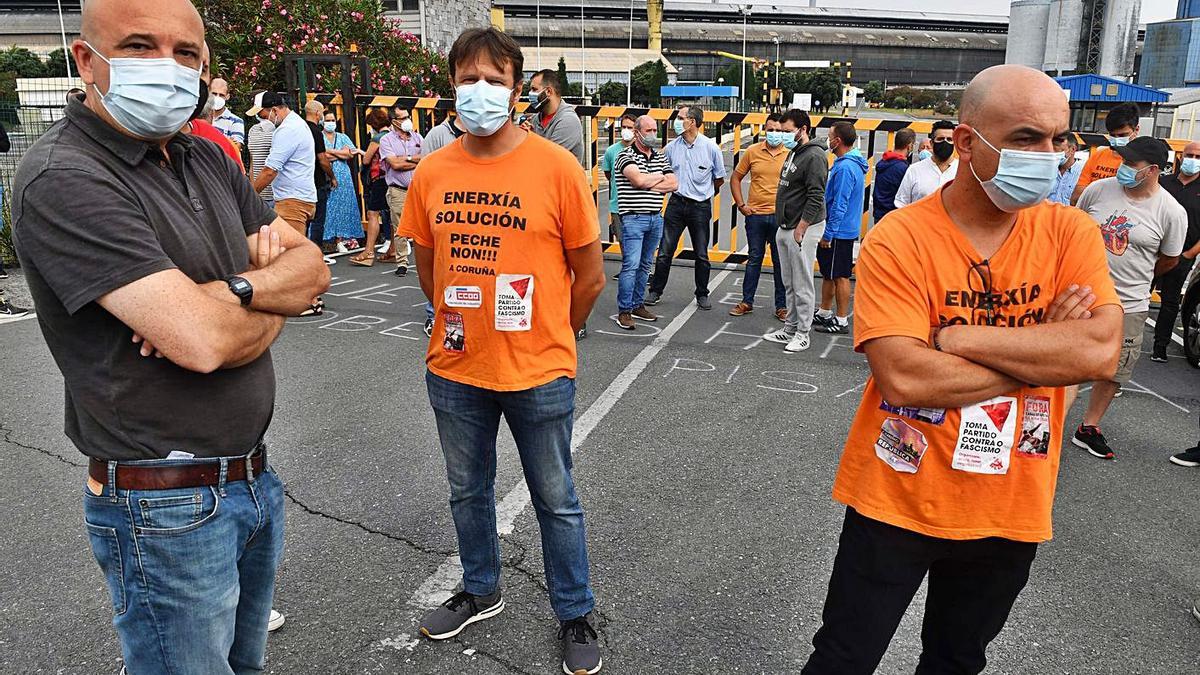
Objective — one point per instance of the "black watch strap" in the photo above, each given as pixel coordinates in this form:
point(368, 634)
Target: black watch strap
point(241, 288)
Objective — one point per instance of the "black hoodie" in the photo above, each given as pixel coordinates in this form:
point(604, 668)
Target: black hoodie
point(801, 194)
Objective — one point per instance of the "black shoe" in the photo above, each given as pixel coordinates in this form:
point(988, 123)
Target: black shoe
point(617, 276)
point(1159, 355)
point(1090, 439)
point(833, 327)
point(460, 611)
point(580, 645)
point(653, 298)
point(401, 270)
point(703, 303)
point(428, 328)
point(1188, 458)
point(3, 273)
point(582, 334)
point(10, 310)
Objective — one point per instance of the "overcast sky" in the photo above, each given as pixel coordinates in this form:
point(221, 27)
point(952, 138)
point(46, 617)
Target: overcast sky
point(1152, 10)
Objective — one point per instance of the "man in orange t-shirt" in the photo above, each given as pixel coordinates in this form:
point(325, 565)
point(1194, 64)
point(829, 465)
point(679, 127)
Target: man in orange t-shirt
point(508, 252)
point(966, 304)
point(1122, 126)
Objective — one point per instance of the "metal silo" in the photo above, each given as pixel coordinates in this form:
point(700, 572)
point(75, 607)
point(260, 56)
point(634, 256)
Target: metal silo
point(1065, 20)
point(1027, 32)
point(1118, 43)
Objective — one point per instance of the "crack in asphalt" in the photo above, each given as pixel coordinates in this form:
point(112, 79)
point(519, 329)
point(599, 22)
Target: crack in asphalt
point(8, 439)
point(416, 546)
point(506, 664)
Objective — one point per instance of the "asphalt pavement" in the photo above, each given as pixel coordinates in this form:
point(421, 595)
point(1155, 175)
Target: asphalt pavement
point(705, 459)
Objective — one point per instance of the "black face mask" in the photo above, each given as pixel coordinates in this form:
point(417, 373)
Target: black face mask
point(203, 100)
point(943, 150)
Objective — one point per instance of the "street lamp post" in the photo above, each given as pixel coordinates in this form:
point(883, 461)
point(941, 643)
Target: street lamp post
point(745, 15)
point(776, 41)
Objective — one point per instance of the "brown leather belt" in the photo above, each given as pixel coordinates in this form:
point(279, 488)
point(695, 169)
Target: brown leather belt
point(146, 477)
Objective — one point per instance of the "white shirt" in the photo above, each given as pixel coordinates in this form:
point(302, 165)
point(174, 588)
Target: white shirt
point(923, 179)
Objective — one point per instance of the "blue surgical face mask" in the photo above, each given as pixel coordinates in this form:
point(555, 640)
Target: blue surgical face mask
point(789, 140)
point(1023, 178)
point(678, 126)
point(1127, 176)
point(1190, 166)
point(776, 138)
point(330, 127)
point(924, 155)
point(535, 97)
point(1118, 141)
point(483, 107)
point(149, 98)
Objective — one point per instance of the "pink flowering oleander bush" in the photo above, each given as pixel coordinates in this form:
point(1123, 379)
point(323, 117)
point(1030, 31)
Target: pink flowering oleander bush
point(249, 38)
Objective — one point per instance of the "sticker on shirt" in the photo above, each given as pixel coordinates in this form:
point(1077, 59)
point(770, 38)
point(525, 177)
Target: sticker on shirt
point(1035, 428)
point(514, 302)
point(986, 435)
point(469, 297)
point(927, 415)
point(900, 445)
point(454, 338)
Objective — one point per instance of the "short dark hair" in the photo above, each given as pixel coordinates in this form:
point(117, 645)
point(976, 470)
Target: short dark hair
point(774, 117)
point(628, 116)
point(798, 117)
point(1124, 115)
point(844, 132)
point(489, 43)
point(905, 138)
point(942, 124)
point(549, 79)
point(397, 108)
point(695, 113)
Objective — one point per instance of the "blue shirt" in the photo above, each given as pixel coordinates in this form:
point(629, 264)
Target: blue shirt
point(696, 166)
point(294, 159)
point(1064, 185)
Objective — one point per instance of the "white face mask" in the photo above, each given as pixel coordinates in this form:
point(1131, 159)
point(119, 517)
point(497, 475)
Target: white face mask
point(406, 126)
point(627, 135)
point(483, 107)
point(149, 98)
point(218, 102)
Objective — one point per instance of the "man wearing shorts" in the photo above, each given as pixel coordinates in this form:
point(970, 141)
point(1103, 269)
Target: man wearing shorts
point(843, 221)
point(1143, 229)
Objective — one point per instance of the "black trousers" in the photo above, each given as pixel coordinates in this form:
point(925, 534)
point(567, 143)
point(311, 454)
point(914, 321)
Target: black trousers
point(316, 226)
point(1170, 289)
point(695, 217)
point(878, 568)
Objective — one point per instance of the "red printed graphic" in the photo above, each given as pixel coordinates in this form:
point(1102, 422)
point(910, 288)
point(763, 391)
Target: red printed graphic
point(1116, 234)
point(521, 286)
point(998, 412)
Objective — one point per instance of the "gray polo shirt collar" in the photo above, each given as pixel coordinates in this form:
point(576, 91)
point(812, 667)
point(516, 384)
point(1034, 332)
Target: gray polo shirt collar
point(129, 149)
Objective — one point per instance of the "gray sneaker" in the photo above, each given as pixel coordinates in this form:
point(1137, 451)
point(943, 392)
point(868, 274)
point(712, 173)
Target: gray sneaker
point(703, 303)
point(653, 298)
point(460, 611)
point(1196, 609)
point(581, 649)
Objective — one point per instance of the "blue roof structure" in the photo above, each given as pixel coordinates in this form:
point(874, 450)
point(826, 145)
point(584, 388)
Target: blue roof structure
point(1109, 90)
point(697, 91)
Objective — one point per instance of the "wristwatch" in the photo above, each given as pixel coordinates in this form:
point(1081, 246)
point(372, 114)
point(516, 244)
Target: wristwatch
point(241, 288)
point(408, 158)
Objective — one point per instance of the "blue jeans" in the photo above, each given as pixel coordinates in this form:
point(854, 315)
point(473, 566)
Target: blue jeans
point(640, 234)
point(541, 420)
point(190, 571)
point(760, 231)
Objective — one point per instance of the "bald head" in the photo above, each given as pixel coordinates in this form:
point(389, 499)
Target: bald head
point(1192, 149)
point(313, 110)
point(1013, 89)
point(647, 124)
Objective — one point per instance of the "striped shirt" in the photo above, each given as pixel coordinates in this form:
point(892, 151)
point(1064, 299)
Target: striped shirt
point(629, 198)
point(232, 126)
point(260, 146)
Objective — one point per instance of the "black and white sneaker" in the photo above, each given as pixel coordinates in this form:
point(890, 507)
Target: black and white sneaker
point(653, 299)
point(3, 273)
point(834, 327)
point(428, 328)
point(1159, 355)
point(460, 611)
point(9, 310)
point(1090, 439)
point(580, 645)
point(401, 270)
point(1188, 458)
point(1196, 609)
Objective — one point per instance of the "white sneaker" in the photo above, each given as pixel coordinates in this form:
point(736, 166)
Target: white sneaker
point(275, 622)
point(797, 344)
point(781, 336)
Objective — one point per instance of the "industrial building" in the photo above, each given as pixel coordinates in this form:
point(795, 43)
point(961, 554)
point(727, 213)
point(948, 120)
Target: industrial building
point(1171, 55)
point(1072, 37)
point(896, 47)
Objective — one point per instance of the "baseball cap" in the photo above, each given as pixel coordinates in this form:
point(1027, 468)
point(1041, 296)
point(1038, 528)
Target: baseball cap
point(1145, 149)
point(258, 104)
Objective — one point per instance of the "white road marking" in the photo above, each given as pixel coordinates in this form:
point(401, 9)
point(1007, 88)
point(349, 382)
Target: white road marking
point(1141, 388)
point(441, 584)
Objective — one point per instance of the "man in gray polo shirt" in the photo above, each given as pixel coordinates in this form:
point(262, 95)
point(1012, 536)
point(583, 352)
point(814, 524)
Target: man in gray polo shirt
point(697, 162)
point(165, 251)
point(551, 117)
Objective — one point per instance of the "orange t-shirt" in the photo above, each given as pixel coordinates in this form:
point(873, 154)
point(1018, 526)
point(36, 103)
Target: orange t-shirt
point(986, 470)
point(763, 164)
point(1102, 163)
point(499, 229)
